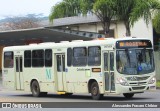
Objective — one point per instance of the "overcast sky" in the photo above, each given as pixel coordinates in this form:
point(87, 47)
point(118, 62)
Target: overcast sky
point(9, 8)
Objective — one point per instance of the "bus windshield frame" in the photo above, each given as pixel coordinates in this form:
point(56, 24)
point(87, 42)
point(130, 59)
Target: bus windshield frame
point(134, 57)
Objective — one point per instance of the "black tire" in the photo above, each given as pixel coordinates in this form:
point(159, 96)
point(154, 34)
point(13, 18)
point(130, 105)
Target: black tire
point(35, 89)
point(128, 95)
point(43, 94)
point(68, 94)
point(95, 91)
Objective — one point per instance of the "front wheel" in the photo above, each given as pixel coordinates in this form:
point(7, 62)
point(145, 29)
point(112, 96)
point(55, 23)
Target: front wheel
point(95, 91)
point(128, 95)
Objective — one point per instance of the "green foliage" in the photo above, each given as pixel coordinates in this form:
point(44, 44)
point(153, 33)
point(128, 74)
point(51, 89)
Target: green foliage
point(124, 8)
point(66, 8)
point(123, 11)
point(158, 84)
point(87, 6)
point(104, 9)
point(144, 9)
point(156, 22)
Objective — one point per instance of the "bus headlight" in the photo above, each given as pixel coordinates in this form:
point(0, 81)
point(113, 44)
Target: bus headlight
point(152, 80)
point(123, 82)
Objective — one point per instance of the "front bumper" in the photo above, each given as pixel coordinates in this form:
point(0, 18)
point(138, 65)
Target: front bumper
point(120, 89)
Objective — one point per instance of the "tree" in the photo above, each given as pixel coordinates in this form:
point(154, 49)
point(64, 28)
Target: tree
point(128, 11)
point(156, 22)
point(66, 8)
point(146, 9)
point(103, 9)
point(123, 10)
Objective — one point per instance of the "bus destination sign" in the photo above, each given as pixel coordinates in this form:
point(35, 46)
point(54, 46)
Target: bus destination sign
point(133, 44)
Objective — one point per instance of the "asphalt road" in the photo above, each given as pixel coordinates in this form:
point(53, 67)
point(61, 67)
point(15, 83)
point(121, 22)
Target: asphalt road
point(21, 96)
point(80, 99)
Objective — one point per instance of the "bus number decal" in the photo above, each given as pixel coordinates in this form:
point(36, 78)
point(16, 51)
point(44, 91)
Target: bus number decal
point(48, 73)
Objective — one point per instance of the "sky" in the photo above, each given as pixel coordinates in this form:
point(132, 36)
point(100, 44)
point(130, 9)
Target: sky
point(11, 8)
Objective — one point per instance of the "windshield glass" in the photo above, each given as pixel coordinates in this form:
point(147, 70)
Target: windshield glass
point(135, 61)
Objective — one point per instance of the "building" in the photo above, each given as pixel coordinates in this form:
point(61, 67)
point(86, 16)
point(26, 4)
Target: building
point(90, 26)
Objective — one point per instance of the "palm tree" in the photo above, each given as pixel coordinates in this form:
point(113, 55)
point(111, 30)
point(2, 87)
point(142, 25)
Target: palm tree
point(123, 10)
point(66, 8)
point(156, 22)
point(103, 9)
point(143, 9)
point(128, 11)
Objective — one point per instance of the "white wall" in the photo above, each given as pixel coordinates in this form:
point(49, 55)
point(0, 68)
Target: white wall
point(140, 29)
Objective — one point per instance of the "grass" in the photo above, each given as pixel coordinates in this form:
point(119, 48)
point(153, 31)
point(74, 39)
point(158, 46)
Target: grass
point(158, 84)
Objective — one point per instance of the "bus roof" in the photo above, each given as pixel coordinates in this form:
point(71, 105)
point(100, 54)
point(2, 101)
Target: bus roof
point(75, 43)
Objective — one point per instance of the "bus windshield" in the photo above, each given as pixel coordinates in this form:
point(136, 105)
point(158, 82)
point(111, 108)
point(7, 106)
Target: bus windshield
point(135, 61)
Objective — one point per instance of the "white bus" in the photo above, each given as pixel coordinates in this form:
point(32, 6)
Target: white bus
point(110, 66)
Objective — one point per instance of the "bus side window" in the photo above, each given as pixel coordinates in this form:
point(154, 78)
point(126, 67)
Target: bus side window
point(69, 57)
point(80, 56)
point(27, 58)
point(94, 56)
point(112, 61)
point(8, 59)
point(38, 58)
point(106, 61)
point(48, 57)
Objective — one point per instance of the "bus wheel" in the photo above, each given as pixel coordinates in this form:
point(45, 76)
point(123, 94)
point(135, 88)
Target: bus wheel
point(95, 91)
point(35, 89)
point(128, 95)
point(68, 94)
point(43, 93)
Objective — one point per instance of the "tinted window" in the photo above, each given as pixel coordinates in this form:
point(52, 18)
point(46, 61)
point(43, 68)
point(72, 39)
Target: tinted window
point(94, 56)
point(48, 57)
point(106, 61)
point(27, 58)
point(69, 56)
point(8, 59)
point(79, 56)
point(112, 61)
point(60, 63)
point(38, 58)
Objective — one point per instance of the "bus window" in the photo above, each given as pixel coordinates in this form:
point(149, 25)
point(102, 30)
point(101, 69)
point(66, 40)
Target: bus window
point(69, 57)
point(94, 56)
point(106, 61)
point(27, 58)
point(48, 57)
point(38, 58)
point(8, 59)
point(79, 56)
point(112, 61)
point(59, 63)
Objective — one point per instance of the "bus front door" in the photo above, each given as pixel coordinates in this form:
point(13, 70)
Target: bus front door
point(19, 72)
point(109, 71)
point(60, 72)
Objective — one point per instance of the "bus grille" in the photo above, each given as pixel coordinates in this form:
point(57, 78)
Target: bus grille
point(138, 88)
point(134, 78)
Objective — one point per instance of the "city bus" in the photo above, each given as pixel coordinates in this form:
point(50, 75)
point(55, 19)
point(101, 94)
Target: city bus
point(99, 67)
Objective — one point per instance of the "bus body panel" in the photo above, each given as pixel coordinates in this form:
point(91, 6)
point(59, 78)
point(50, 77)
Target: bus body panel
point(73, 79)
